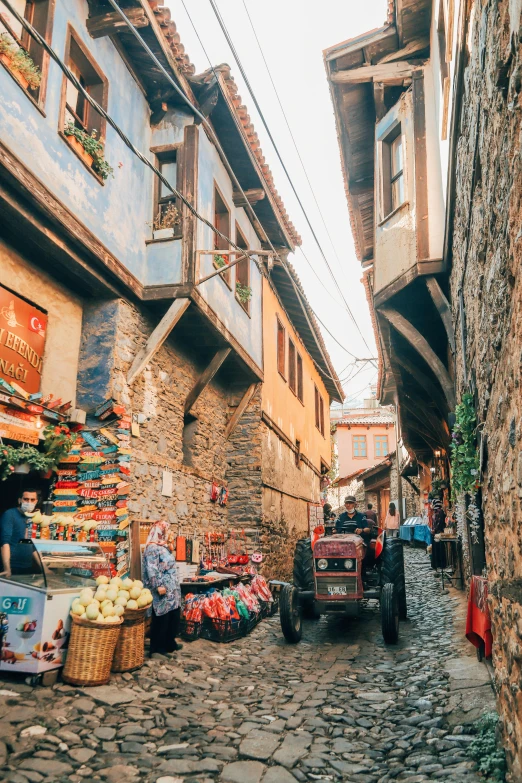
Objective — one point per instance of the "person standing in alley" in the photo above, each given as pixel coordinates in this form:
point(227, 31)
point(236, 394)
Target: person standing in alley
point(160, 575)
point(371, 515)
point(391, 521)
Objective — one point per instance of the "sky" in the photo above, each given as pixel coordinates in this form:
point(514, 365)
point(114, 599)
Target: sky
point(293, 35)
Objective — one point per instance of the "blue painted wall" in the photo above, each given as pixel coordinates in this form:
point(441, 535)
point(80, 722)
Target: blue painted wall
point(118, 211)
point(247, 330)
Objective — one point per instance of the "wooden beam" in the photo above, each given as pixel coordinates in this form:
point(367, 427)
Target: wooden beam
point(424, 349)
point(411, 48)
point(443, 307)
point(157, 338)
point(378, 73)
point(205, 378)
point(424, 382)
point(421, 167)
point(429, 435)
point(252, 197)
point(190, 191)
point(241, 408)
point(207, 99)
point(112, 23)
point(378, 97)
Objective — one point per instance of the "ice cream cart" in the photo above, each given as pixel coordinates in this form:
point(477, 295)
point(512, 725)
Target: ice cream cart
point(35, 606)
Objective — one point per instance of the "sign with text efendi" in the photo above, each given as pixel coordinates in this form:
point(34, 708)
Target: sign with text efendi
point(22, 340)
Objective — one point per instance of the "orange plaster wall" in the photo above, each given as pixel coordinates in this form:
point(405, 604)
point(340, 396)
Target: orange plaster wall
point(348, 464)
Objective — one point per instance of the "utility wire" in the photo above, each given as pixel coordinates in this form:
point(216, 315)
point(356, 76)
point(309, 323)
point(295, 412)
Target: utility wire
point(291, 134)
point(72, 78)
point(258, 107)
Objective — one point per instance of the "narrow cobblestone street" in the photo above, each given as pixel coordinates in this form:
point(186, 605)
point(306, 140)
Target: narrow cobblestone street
point(338, 706)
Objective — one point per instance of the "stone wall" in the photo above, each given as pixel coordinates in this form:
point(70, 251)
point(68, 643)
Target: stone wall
point(487, 268)
point(113, 333)
point(287, 489)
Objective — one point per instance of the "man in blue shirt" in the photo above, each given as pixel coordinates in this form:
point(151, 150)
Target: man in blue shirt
point(354, 520)
point(17, 558)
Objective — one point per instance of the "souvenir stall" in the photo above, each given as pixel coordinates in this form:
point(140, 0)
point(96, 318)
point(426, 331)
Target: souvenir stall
point(224, 596)
point(227, 597)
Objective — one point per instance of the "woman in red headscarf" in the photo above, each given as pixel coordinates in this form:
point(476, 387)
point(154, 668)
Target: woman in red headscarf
point(160, 575)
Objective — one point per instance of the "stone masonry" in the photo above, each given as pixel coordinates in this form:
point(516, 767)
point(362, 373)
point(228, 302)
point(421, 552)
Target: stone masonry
point(113, 333)
point(486, 267)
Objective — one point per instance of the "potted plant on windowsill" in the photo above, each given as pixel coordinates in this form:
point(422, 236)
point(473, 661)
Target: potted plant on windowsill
point(219, 261)
point(164, 224)
point(19, 63)
point(243, 293)
point(89, 148)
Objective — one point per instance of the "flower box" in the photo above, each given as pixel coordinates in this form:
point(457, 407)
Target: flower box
point(18, 76)
point(78, 148)
point(163, 233)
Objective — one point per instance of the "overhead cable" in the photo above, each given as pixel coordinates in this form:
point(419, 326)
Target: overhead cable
point(72, 78)
point(263, 120)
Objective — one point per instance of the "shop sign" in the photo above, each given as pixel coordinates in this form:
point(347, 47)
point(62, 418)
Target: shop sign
point(22, 341)
point(14, 429)
point(12, 605)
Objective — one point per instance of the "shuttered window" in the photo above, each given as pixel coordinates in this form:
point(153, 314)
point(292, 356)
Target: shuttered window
point(292, 375)
point(300, 393)
point(281, 348)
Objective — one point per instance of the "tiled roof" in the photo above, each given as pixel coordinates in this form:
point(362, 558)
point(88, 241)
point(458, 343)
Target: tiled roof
point(169, 30)
point(253, 141)
point(375, 417)
point(386, 462)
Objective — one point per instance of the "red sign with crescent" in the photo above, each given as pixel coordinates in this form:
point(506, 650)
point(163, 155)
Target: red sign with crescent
point(22, 341)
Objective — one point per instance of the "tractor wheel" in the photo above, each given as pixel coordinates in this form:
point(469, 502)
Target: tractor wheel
point(304, 574)
point(389, 614)
point(392, 570)
point(290, 614)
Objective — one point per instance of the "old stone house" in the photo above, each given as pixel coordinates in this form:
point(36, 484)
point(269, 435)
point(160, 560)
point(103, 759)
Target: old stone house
point(428, 116)
point(153, 314)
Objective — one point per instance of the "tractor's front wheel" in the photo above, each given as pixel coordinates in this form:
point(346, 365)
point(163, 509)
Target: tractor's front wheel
point(303, 576)
point(389, 614)
point(392, 570)
point(290, 614)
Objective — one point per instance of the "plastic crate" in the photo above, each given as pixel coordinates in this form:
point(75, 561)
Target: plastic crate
point(223, 630)
point(190, 629)
point(253, 620)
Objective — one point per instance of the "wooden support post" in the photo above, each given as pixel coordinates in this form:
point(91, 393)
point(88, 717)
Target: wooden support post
point(158, 337)
point(252, 197)
point(378, 73)
point(443, 307)
point(424, 382)
point(424, 349)
point(241, 408)
point(205, 378)
point(378, 97)
point(421, 167)
point(112, 23)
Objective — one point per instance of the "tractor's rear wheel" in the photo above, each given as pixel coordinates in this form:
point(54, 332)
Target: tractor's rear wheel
point(392, 571)
point(389, 614)
point(304, 575)
point(290, 614)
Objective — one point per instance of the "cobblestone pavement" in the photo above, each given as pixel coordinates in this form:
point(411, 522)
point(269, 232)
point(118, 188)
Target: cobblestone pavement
point(338, 706)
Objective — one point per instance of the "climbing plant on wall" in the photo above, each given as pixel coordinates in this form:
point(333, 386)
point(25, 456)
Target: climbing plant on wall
point(464, 455)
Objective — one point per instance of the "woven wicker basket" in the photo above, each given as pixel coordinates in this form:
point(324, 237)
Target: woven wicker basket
point(130, 649)
point(90, 653)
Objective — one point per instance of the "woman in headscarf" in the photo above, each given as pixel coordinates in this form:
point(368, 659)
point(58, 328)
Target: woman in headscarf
point(160, 575)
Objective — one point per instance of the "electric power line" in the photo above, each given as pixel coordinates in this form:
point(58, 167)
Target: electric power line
point(291, 134)
point(72, 78)
point(258, 107)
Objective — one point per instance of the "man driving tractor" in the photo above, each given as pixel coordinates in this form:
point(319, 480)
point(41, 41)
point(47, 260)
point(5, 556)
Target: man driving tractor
point(350, 517)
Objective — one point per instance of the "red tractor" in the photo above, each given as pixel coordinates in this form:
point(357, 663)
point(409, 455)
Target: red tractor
point(335, 572)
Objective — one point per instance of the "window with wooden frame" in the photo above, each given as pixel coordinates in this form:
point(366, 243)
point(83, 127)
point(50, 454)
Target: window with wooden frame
point(243, 273)
point(222, 223)
point(319, 411)
point(167, 207)
point(19, 43)
point(393, 193)
point(297, 454)
point(281, 353)
point(359, 446)
point(381, 445)
point(292, 370)
point(300, 391)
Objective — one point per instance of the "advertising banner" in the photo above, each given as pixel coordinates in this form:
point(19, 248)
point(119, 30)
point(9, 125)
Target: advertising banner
point(22, 341)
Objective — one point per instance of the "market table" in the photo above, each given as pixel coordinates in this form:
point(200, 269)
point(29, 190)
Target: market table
point(422, 533)
point(478, 621)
